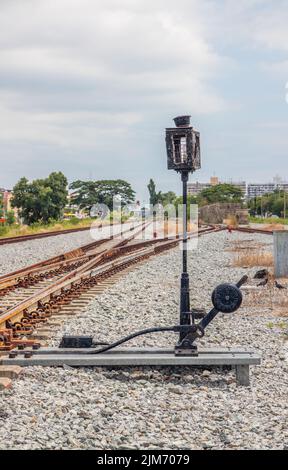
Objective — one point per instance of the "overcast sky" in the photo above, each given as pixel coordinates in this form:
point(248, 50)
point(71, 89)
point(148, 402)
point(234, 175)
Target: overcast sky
point(88, 86)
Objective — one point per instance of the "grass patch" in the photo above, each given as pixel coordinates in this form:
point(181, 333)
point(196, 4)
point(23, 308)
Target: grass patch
point(19, 230)
point(245, 245)
point(282, 325)
point(269, 220)
point(261, 258)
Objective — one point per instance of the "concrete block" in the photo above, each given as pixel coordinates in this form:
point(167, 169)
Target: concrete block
point(242, 375)
point(10, 371)
point(5, 383)
point(280, 243)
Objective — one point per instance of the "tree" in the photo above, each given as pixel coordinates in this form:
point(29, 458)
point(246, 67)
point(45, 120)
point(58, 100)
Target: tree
point(154, 197)
point(277, 207)
point(41, 199)
point(220, 193)
point(178, 203)
point(88, 193)
point(10, 218)
point(168, 198)
point(270, 204)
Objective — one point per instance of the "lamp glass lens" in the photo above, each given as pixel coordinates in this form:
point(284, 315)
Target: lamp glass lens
point(180, 149)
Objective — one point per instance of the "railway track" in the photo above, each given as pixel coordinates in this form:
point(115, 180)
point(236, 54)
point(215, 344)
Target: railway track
point(32, 298)
point(34, 301)
point(21, 287)
point(25, 238)
point(55, 266)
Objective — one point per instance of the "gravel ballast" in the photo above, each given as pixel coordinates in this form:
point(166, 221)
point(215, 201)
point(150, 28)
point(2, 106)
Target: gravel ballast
point(20, 255)
point(135, 408)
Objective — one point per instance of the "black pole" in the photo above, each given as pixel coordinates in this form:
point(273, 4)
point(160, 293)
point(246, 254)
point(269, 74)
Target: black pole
point(184, 293)
point(154, 224)
point(184, 178)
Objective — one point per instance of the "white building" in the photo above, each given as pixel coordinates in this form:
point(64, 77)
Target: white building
point(256, 190)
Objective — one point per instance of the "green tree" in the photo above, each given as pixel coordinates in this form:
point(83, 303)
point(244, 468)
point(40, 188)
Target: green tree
point(10, 218)
point(178, 202)
point(168, 198)
point(271, 204)
point(277, 207)
point(220, 193)
point(154, 197)
point(41, 199)
point(88, 193)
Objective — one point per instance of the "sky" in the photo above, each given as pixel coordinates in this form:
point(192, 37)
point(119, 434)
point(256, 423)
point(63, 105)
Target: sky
point(87, 87)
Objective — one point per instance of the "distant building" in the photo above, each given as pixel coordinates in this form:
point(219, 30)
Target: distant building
point(256, 190)
point(6, 196)
point(250, 190)
point(239, 184)
point(195, 188)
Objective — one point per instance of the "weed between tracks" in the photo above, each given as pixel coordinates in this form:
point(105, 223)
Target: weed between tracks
point(267, 297)
point(262, 258)
point(20, 230)
point(249, 254)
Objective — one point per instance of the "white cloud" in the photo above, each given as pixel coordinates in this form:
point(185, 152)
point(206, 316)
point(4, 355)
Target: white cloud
point(64, 129)
point(75, 72)
point(92, 54)
point(271, 27)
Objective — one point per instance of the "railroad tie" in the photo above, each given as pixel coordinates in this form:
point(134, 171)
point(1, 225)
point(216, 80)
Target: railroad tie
point(36, 335)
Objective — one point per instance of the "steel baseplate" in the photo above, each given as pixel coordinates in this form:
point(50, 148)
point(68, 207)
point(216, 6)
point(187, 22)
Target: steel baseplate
point(240, 359)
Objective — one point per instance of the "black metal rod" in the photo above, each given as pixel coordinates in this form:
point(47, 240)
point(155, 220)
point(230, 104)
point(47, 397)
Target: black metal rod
point(242, 281)
point(208, 318)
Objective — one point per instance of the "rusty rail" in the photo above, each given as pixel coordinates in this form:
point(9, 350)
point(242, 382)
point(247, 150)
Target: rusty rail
point(252, 230)
point(77, 254)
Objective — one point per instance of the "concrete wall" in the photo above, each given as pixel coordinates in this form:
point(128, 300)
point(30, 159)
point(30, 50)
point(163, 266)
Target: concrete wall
point(216, 213)
point(280, 241)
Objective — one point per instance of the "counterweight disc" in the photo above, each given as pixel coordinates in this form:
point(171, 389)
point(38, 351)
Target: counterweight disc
point(227, 298)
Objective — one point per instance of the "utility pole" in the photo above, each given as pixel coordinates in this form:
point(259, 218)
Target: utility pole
point(261, 207)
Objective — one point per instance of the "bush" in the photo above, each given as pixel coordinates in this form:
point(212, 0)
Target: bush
point(74, 221)
point(10, 218)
